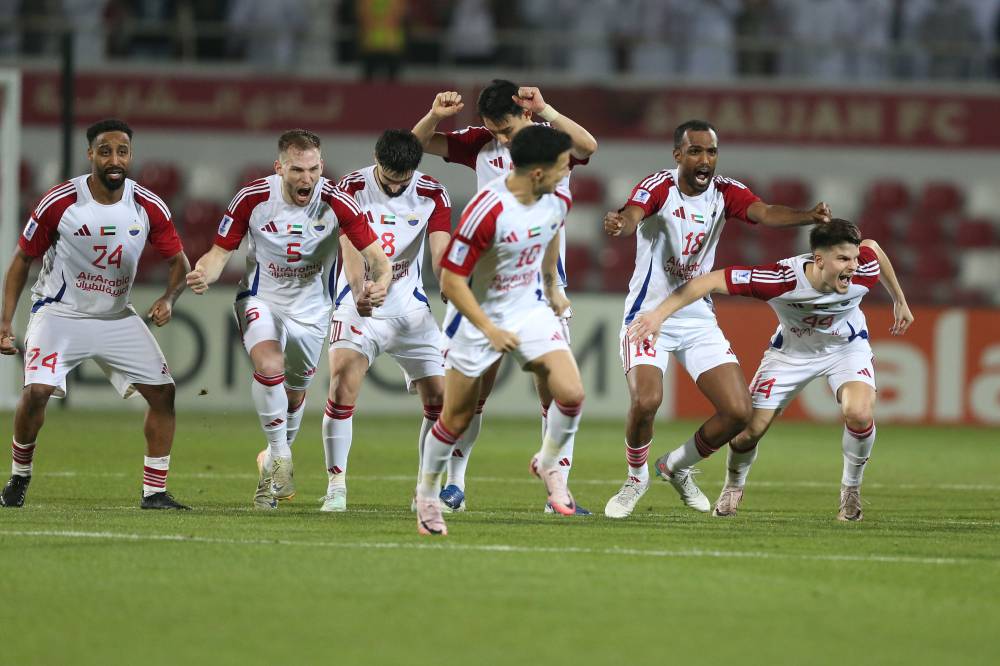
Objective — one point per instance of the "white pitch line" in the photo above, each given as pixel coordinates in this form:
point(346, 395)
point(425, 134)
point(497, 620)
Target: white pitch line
point(499, 548)
point(970, 487)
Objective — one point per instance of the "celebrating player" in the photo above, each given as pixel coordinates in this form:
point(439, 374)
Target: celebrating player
point(677, 216)
point(506, 109)
point(283, 305)
point(822, 332)
point(92, 230)
point(403, 206)
point(490, 273)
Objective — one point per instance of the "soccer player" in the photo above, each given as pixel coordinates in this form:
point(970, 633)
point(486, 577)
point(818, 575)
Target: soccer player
point(678, 215)
point(821, 332)
point(506, 242)
point(293, 218)
point(404, 207)
point(91, 231)
point(505, 109)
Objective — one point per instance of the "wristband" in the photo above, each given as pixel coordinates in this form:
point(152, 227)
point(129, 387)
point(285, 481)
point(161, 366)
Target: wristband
point(549, 113)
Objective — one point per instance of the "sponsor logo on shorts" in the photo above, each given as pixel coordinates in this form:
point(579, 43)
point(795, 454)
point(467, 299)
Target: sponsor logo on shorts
point(309, 372)
point(642, 196)
point(865, 372)
point(225, 224)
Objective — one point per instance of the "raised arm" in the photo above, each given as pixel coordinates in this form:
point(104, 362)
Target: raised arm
point(774, 215)
point(207, 269)
point(163, 308)
point(446, 105)
point(455, 288)
point(584, 143)
point(13, 285)
point(647, 325)
point(902, 317)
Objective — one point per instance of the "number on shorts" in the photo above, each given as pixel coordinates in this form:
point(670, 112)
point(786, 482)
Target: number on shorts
point(389, 243)
point(47, 361)
point(113, 259)
point(645, 348)
point(763, 386)
point(252, 314)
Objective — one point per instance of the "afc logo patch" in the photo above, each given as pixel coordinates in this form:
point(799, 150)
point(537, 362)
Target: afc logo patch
point(225, 224)
point(741, 277)
point(459, 251)
point(641, 196)
point(29, 229)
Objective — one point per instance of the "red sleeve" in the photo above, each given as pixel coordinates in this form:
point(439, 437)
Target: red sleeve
point(868, 268)
point(234, 224)
point(567, 198)
point(349, 216)
point(440, 219)
point(475, 233)
point(42, 227)
point(162, 234)
point(464, 145)
point(573, 161)
point(764, 282)
point(651, 193)
point(737, 198)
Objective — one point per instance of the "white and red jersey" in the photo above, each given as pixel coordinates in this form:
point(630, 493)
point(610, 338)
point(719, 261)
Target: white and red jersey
point(292, 255)
point(810, 322)
point(401, 224)
point(478, 149)
point(677, 237)
point(91, 250)
point(499, 245)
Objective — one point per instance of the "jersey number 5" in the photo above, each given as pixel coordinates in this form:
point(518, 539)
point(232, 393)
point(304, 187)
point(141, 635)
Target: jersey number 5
point(292, 251)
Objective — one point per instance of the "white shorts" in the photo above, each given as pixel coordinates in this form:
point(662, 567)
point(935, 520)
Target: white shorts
point(540, 331)
point(413, 341)
point(698, 349)
point(780, 377)
point(300, 338)
point(123, 348)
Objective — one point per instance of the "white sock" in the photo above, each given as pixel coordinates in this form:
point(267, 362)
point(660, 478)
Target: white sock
point(459, 460)
point(338, 431)
point(431, 414)
point(154, 475)
point(271, 402)
point(636, 457)
point(738, 466)
point(563, 422)
point(857, 448)
point(689, 453)
point(437, 451)
point(21, 458)
point(293, 422)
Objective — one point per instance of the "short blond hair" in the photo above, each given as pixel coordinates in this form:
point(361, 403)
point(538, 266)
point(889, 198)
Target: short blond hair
point(299, 139)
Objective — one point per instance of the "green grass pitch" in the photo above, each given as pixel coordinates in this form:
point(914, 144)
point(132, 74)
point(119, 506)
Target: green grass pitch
point(87, 578)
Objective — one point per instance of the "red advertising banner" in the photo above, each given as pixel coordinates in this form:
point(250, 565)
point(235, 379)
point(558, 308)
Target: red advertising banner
point(945, 369)
point(765, 115)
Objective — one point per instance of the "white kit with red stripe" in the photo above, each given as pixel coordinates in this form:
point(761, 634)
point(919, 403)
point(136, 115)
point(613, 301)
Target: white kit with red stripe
point(478, 149)
point(401, 224)
point(292, 255)
point(499, 245)
point(676, 241)
point(811, 322)
point(91, 250)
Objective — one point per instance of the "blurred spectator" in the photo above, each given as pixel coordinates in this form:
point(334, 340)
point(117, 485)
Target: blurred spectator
point(472, 34)
point(86, 20)
point(381, 37)
point(709, 53)
point(589, 26)
point(427, 21)
point(756, 26)
point(653, 29)
point(267, 32)
point(210, 35)
point(143, 28)
point(948, 31)
point(10, 35)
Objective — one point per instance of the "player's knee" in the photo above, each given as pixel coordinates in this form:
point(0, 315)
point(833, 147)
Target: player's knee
point(858, 418)
point(738, 413)
point(36, 396)
point(161, 398)
point(644, 405)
